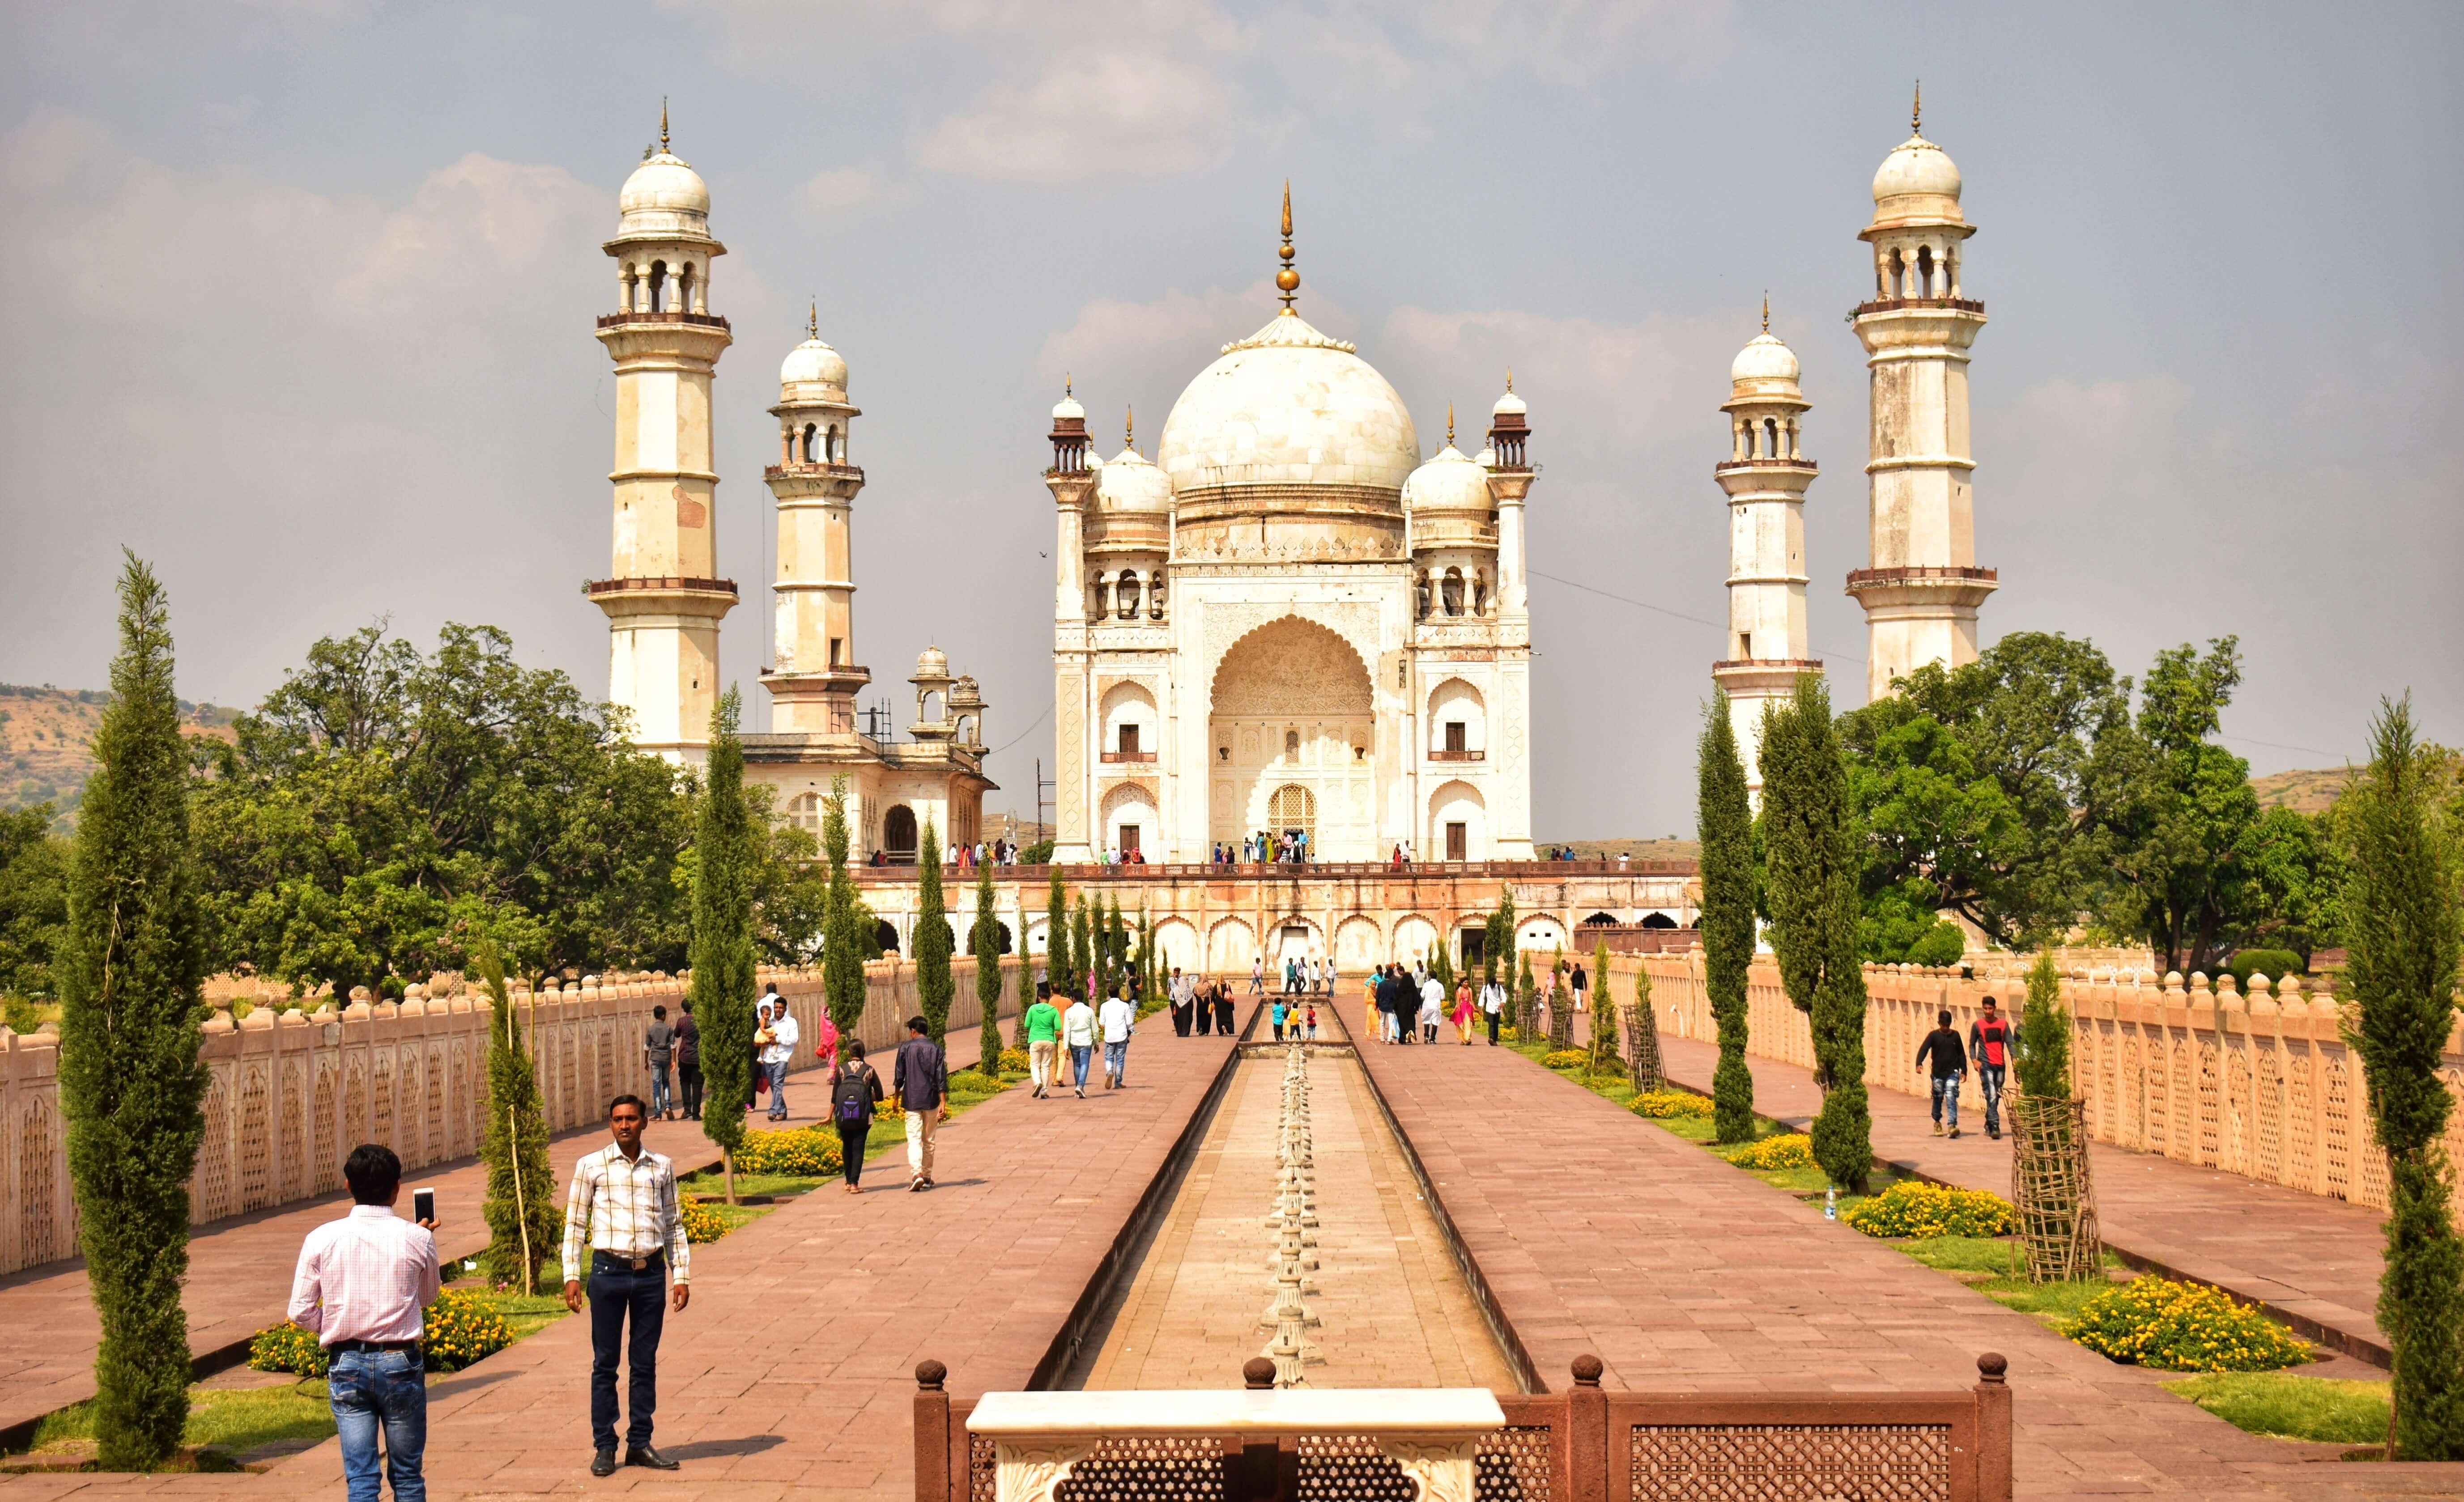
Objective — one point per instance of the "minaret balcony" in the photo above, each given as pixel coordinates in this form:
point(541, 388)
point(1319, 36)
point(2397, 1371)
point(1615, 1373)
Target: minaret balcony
point(1748, 466)
point(814, 471)
point(706, 320)
point(1923, 584)
point(1921, 305)
point(613, 588)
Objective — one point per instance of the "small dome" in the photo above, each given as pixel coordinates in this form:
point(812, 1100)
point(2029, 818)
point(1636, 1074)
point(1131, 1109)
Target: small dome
point(1764, 358)
point(1130, 482)
point(931, 662)
point(813, 363)
point(1066, 407)
point(1508, 405)
point(1447, 482)
point(1916, 180)
point(665, 195)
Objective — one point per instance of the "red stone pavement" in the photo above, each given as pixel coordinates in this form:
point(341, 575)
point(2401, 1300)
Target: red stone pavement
point(792, 1370)
point(1597, 1232)
point(2312, 1258)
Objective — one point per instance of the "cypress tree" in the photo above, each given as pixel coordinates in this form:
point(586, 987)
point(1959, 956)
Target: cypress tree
point(132, 969)
point(1723, 819)
point(526, 1223)
point(1649, 1072)
point(1526, 1002)
point(1603, 1039)
point(1056, 942)
point(934, 990)
point(842, 939)
point(988, 973)
point(1815, 903)
point(2402, 934)
point(721, 951)
point(1081, 950)
point(1497, 943)
point(1561, 1005)
point(2044, 1063)
point(1117, 939)
point(1025, 970)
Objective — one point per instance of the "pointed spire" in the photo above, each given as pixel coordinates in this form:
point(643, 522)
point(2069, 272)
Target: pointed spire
point(813, 320)
point(1288, 281)
point(1766, 313)
point(1065, 385)
point(1130, 428)
point(1450, 423)
point(663, 125)
point(1916, 111)
point(1509, 378)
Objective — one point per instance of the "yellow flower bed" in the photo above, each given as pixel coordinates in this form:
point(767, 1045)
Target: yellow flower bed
point(462, 1329)
point(702, 1223)
point(1565, 1059)
point(1931, 1210)
point(804, 1152)
point(1786, 1150)
point(1666, 1103)
point(2183, 1327)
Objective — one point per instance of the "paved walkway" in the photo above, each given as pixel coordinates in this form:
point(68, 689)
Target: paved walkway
point(792, 1373)
point(1600, 1233)
point(2313, 1259)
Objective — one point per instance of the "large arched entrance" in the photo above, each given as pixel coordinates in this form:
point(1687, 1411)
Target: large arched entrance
point(898, 835)
point(1289, 720)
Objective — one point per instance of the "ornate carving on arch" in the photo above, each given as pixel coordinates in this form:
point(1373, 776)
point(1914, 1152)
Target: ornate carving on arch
point(1134, 791)
point(1355, 620)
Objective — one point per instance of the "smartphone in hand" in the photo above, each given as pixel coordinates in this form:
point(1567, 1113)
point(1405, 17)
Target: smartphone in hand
point(422, 1205)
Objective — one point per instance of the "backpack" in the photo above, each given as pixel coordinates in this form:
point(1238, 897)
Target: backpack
point(852, 1097)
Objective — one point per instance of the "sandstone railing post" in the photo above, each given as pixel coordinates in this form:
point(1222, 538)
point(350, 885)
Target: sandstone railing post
point(933, 1438)
point(1586, 1448)
point(1993, 1429)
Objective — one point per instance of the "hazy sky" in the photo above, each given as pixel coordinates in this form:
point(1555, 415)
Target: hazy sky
point(302, 304)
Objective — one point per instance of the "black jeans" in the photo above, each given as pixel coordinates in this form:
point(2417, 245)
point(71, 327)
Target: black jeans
point(689, 1076)
point(851, 1141)
point(1492, 1030)
point(616, 1292)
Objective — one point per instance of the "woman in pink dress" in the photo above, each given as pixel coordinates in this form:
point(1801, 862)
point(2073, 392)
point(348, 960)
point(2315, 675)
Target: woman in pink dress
point(1464, 1009)
point(827, 1042)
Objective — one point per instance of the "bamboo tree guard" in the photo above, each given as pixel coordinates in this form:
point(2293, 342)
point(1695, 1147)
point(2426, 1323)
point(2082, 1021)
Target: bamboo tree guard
point(2051, 1197)
point(1642, 1047)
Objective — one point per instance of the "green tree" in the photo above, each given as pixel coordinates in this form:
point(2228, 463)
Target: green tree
point(1056, 943)
point(985, 942)
point(1814, 863)
point(33, 901)
point(1083, 960)
point(132, 1088)
point(1116, 947)
point(1497, 940)
point(935, 989)
point(2404, 933)
point(2044, 1063)
point(1527, 1004)
point(1604, 1031)
point(1723, 819)
point(525, 1224)
point(846, 926)
point(722, 939)
point(1649, 1073)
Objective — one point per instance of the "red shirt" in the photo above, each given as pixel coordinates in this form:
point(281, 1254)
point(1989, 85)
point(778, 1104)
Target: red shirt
point(1990, 1038)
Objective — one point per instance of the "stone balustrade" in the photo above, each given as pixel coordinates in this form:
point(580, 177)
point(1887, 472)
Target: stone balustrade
point(294, 1091)
point(2257, 1083)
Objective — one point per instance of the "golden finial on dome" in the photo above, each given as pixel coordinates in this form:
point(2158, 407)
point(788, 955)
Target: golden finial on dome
point(813, 320)
point(663, 125)
point(1287, 280)
point(1450, 425)
point(1130, 428)
point(1065, 385)
point(1916, 111)
point(1766, 313)
point(1510, 380)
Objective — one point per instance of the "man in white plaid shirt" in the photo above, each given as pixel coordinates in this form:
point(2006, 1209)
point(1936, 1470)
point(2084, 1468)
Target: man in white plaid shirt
point(622, 1210)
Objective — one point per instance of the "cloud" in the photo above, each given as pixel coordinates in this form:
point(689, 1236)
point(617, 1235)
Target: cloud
point(1112, 113)
point(834, 190)
point(1597, 382)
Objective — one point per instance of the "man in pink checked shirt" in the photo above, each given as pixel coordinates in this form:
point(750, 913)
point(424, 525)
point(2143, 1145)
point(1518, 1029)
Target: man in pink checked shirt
point(360, 1286)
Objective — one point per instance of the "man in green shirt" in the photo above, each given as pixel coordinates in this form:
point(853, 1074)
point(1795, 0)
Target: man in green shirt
point(1042, 1037)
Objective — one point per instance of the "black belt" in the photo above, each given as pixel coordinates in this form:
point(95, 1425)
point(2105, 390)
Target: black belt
point(635, 1264)
point(373, 1345)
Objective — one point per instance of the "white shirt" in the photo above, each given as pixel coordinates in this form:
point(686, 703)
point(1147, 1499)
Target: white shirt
point(365, 1277)
point(1078, 1025)
point(1118, 1017)
point(782, 1028)
point(1433, 999)
point(627, 1207)
point(1492, 997)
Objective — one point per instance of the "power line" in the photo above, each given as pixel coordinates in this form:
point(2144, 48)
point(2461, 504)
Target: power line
point(1644, 604)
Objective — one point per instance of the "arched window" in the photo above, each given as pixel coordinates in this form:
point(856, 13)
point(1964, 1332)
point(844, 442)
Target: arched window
point(658, 286)
point(1126, 596)
point(804, 812)
point(1453, 592)
point(812, 450)
point(1771, 439)
point(1899, 275)
point(1925, 270)
point(1291, 744)
point(898, 838)
point(884, 937)
point(1292, 810)
point(685, 288)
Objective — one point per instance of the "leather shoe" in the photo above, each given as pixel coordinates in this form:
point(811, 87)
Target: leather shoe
point(604, 1464)
point(645, 1455)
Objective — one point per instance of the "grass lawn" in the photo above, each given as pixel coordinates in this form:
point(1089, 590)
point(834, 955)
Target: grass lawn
point(1983, 1263)
point(232, 1419)
point(2320, 1408)
point(713, 1184)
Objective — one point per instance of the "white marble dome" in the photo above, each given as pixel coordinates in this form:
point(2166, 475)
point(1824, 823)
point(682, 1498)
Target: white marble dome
point(813, 363)
point(1917, 179)
point(664, 196)
point(1510, 404)
point(933, 663)
point(1130, 482)
point(1449, 482)
point(1067, 407)
point(1287, 405)
point(1764, 358)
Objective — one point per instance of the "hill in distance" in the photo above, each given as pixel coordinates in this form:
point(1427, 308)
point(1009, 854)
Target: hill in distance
point(47, 740)
point(2302, 792)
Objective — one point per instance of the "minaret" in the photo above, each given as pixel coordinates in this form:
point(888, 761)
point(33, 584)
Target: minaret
point(813, 687)
point(1509, 483)
point(1072, 480)
point(1765, 477)
point(1921, 585)
point(663, 597)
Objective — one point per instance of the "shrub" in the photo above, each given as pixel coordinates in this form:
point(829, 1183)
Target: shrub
point(702, 1224)
point(287, 1348)
point(1015, 1059)
point(2274, 964)
point(1565, 1059)
point(2183, 1327)
point(1931, 1210)
point(1783, 1150)
point(801, 1152)
point(462, 1328)
point(1666, 1103)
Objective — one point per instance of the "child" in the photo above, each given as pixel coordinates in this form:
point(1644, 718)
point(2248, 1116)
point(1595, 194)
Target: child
point(1278, 1018)
point(1309, 1022)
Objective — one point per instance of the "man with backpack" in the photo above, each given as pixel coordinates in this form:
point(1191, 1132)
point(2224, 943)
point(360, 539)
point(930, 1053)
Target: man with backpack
point(922, 1081)
point(1949, 1066)
point(1988, 1039)
point(854, 1091)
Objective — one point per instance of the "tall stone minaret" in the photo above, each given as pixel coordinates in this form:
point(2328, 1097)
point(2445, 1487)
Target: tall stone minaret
point(663, 597)
point(1921, 585)
point(1510, 474)
point(1072, 481)
point(815, 682)
point(1766, 476)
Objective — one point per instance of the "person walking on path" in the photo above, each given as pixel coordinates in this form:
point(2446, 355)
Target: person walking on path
point(621, 1211)
point(1182, 993)
point(1119, 1019)
point(1078, 1031)
point(826, 1041)
point(922, 1079)
point(1433, 1008)
point(1582, 988)
point(1493, 1003)
point(777, 1053)
point(1949, 1066)
point(1258, 976)
point(854, 1091)
point(1275, 1016)
point(1203, 1003)
point(359, 1289)
point(1463, 1010)
point(688, 1061)
point(1989, 1043)
point(1043, 1039)
point(1224, 1008)
point(659, 1044)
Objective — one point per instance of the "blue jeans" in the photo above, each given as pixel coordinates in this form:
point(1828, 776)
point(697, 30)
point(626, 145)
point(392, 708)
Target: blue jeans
point(778, 1074)
point(380, 1390)
point(1080, 1053)
point(1116, 1061)
point(1945, 1098)
point(661, 1102)
point(1989, 1078)
point(617, 1293)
